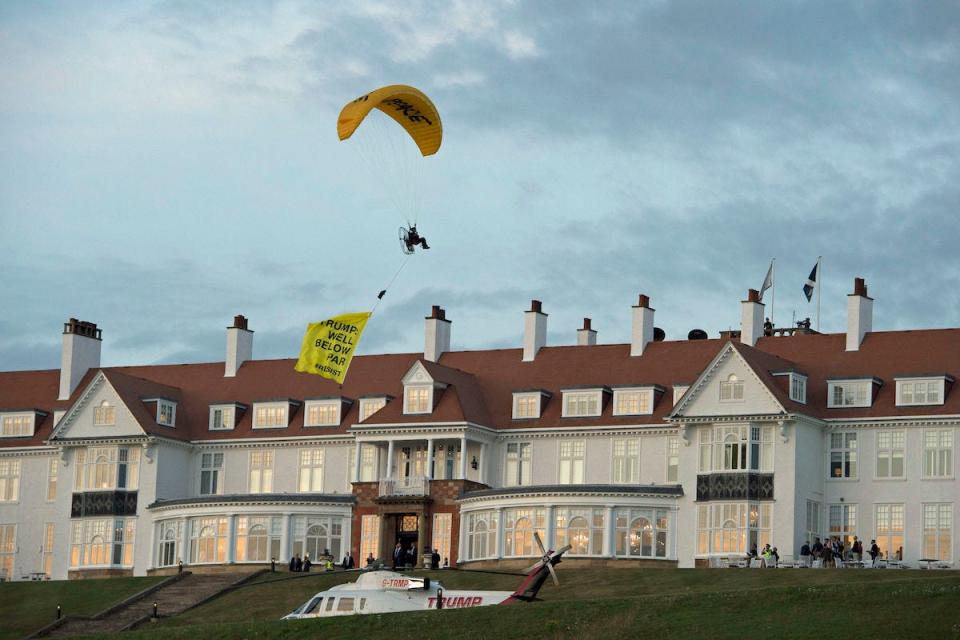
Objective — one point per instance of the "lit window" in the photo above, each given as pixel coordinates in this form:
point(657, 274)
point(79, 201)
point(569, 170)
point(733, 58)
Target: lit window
point(104, 415)
point(632, 402)
point(417, 399)
point(673, 459)
point(481, 535)
point(261, 471)
point(843, 454)
point(257, 538)
point(9, 480)
point(733, 528)
point(17, 425)
point(311, 470)
point(937, 531)
point(102, 468)
point(442, 525)
point(526, 405)
point(53, 468)
point(843, 523)
point(8, 549)
point(889, 531)
point(102, 542)
point(370, 537)
point(731, 390)
point(323, 414)
point(581, 404)
point(46, 549)
point(369, 406)
point(582, 528)
point(270, 416)
point(814, 510)
point(641, 533)
point(208, 540)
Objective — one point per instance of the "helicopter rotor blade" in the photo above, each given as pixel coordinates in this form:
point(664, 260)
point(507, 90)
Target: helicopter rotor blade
point(553, 574)
point(536, 537)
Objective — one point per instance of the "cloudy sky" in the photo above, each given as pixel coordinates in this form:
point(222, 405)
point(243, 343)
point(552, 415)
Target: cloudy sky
point(167, 165)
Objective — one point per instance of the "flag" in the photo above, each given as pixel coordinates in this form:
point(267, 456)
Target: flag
point(811, 281)
point(768, 281)
point(329, 345)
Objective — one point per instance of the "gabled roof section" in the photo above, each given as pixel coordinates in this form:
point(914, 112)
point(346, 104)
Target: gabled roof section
point(133, 391)
point(759, 364)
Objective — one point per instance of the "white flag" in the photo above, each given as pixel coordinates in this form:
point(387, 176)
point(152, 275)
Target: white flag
point(768, 281)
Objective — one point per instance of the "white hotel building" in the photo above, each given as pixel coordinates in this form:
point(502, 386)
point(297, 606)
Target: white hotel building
point(661, 453)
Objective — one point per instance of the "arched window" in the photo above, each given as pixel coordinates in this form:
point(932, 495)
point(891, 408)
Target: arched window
point(641, 537)
point(102, 472)
point(730, 537)
point(207, 545)
point(98, 551)
point(316, 541)
point(257, 543)
point(479, 540)
point(168, 548)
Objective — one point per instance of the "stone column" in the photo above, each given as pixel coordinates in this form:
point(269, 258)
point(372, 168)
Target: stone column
point(463, 457)
point(183, 544)
point(356, 462)
point(550, 542)
point(482, 474)
point(390, 459)
point(500, 530)
point(609, 529)
point(231, 539)
point(421, 536)
point(285, 539)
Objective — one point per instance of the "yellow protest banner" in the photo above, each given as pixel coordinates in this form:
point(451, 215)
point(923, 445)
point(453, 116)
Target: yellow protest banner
point(329, 345)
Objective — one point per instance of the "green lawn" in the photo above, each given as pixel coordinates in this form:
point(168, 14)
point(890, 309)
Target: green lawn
point(28, 606)
point(619, 603)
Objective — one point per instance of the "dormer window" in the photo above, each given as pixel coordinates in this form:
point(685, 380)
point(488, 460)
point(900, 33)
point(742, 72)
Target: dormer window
point(271, 415)
point(731, 389)
point(582, 403)
point(798, 388)
point(528, 404)
point(417, 399)
point(850, 393)
point(323, 413)
point(634, 401)
point(17, 425)
point(223, 417)
point(104, 415)
point(369, 406)
point(921, 391)
point(166, 413)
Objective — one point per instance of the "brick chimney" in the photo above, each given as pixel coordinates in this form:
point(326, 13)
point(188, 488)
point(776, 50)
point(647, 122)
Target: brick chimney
point(79, 354)
point(859, 315)
point(586, 335)
point(534, 330)
point(641, 333)
point(436, 335)
point(751, 318)
point(239, 346)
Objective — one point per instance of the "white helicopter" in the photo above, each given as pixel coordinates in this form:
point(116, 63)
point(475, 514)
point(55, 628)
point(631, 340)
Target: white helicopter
point(389, 592)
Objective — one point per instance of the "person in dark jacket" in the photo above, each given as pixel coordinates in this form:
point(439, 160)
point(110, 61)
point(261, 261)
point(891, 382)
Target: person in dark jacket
point(347, 561)
point(398, 556)
point(298, 565)
point(306, 563)
point(293, 563)
point(435, 559)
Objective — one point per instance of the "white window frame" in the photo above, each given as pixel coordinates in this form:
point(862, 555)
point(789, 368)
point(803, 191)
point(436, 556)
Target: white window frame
point(582, 403)
point(798, 388)
point(814, 521)
point(656, 535)
point(310, 470)
point(260, 471)
point(214, 470)
point(105, 414)
point(853, 394)
point(849, 455)
point(625, 460)
point(571, 464)
point(731, 389)
point(423, 406)
point(323, 407)
point(842, 522)
point(369, 406)
point(53, 472)
point(8, 550)
point(890, 447)
point(938, 454)
point(644, 401)
point(267, 407)
point(521, 462)
point(228, 415)
point(18, 425)
point(481, 544)
point(96, 465)
point(441, 537)
point(116, 535)
point(937, 384)
point(370, 538)
point(889, 525)
point(220, 526)
point(520, 399)
point(46, 548)
point(518, 540)
point(940, 516)
point(673, 459)
point(564, 531)
point(733, 528)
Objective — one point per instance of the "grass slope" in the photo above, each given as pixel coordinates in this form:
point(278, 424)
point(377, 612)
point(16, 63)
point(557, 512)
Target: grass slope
point(28, 606)
point(615, 604)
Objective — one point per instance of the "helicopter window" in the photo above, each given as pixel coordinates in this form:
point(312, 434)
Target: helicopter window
point(311, 606)
point(329, 606)
point(345, 604)
point(363, 604)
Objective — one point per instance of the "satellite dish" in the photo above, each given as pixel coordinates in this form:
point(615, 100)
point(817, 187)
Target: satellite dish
point(697, 334)
point(659, 335)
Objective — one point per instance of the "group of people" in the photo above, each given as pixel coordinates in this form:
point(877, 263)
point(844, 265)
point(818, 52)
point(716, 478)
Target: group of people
point(303, 565)
point(769, 556)
point(833, 550)
point(407, 557)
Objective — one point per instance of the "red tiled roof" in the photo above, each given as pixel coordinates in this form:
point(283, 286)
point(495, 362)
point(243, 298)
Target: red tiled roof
point(481, 383)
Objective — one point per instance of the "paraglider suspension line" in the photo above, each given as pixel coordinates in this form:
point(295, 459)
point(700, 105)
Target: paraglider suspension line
point(383, 291)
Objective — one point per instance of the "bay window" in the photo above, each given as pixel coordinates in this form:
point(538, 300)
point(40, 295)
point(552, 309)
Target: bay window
point(519, 525)
point(580, 527)
point(481, 535)
point(642, 533)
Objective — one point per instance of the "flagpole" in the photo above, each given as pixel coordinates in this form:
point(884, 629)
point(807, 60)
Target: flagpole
point(773, 296)
point(819, 287)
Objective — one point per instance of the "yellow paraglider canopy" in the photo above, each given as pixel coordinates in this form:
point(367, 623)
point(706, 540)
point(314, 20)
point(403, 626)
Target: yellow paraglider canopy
point(409, 107)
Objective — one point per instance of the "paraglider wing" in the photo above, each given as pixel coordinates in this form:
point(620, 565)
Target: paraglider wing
point(409, 107)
